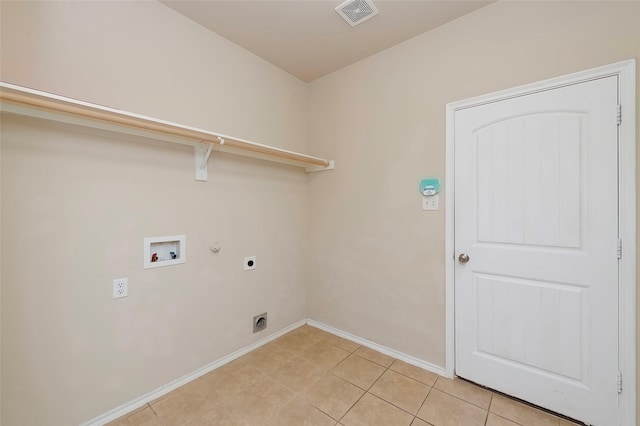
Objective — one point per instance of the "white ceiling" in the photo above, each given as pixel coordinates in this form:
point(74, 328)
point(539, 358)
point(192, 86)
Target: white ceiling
point(308, 38)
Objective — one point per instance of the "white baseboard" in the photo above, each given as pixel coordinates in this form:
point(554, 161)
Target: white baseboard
point(151, 396)
point(387, 351)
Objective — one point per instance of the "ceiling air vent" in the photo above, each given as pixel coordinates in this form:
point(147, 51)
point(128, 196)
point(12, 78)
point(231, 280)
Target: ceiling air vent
point(357, 11)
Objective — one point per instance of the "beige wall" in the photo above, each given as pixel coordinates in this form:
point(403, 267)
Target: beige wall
point(77, 203)
point(146, 58)
point(377, 264)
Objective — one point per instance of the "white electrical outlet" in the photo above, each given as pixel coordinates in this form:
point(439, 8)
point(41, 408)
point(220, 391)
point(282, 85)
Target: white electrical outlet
point(249, 263)
point(120, 288)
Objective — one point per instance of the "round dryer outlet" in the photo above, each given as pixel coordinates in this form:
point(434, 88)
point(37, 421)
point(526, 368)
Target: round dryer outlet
point(259, 322)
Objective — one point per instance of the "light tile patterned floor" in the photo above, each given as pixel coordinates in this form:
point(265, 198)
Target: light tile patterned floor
point(309, 377)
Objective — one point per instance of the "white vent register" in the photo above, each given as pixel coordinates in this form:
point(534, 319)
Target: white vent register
point(357, 11)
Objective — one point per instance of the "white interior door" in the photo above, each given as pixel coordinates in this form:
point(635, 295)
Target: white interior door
point(536, 212)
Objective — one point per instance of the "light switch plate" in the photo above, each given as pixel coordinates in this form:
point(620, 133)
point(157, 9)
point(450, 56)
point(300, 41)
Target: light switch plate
point(431, 203)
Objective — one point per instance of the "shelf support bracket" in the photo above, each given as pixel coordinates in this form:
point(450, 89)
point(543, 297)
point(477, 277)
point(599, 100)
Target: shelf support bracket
point(203, 165)
point(201, 154)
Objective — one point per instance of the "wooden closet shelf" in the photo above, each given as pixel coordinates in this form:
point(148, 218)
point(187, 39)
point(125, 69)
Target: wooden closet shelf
point(24, 101)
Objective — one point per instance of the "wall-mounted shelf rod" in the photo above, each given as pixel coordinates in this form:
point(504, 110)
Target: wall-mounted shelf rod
point(24, 101)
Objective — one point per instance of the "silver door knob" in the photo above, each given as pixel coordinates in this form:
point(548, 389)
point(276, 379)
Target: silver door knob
point(463, 258)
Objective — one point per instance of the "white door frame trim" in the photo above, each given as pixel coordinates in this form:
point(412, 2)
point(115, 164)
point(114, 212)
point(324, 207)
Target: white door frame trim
point(626, 71)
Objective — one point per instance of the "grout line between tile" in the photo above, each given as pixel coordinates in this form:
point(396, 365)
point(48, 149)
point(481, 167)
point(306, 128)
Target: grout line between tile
point(425, 399)
point(412, 378)
point(423, 402)
point(367, 359)
point(392, 404)
point(389, 402)
point(486, 419)
point(468, 402)
point(160, 419)
point(534, 407)
point(463, 400)
point(503, 417)
point(319, 409)
point(154, 411)
point(366, 391)
point(378, 379)
point(353, 405)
